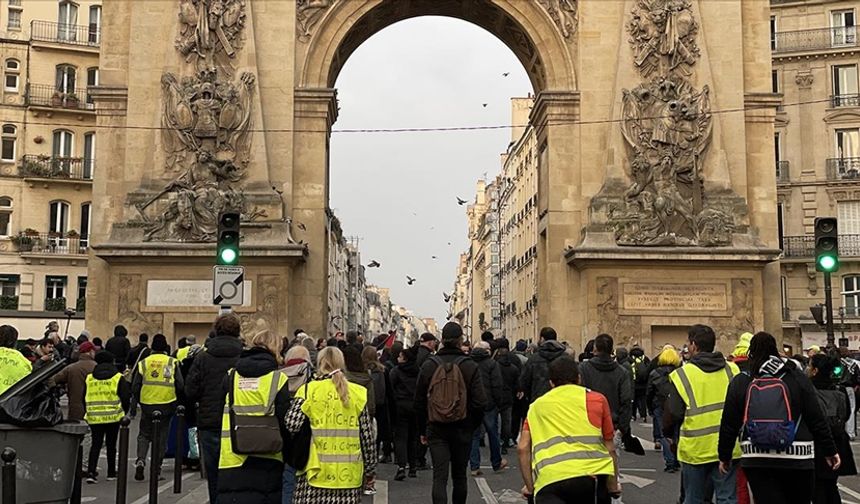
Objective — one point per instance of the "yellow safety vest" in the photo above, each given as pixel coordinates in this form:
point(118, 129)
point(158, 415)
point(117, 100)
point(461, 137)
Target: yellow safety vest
point(335, 459)
point(565, 444)
point(704, 394)
point(182, 353)
point(158, 375)
point(13, 367)
point(103, 404)
point(252, 397)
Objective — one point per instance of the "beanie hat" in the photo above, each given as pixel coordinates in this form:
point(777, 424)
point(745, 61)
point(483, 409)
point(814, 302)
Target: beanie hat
point(743, 346)
point(452, 331)
point(120, 331)
point(85, 347)
point(521, 345)
point(105, 357)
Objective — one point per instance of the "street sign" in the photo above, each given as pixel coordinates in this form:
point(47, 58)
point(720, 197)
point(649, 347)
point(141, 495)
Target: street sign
point(228, 285)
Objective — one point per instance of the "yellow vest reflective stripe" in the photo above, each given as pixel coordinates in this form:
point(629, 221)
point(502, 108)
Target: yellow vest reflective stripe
point(182, 353)
point(704, 394)
point(158, 375)
point(335, 459)
point(13, 367)
point(102, 399)
point(565, 444)
point(252, 397)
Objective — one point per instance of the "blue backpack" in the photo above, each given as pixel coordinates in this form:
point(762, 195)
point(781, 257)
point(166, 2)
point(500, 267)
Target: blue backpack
point(768, 421)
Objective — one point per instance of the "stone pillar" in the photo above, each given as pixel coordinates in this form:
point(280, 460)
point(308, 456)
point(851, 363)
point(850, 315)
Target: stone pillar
point(316, 112)
point(560, 211)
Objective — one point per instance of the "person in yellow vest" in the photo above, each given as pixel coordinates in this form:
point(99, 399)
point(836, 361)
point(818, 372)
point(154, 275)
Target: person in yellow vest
point(157, 385)
point(107, 396)
point(257, 384)
point(342, 456)
point(566, 447)
point(695, 402)
point(13, 365)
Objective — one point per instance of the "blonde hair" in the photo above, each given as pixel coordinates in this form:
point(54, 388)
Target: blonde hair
point(298, 352)
point(268, 340)
point(669, 357)
point(330, 364)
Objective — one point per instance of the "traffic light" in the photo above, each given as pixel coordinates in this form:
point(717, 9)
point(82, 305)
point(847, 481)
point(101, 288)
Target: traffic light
point(228, 238)
point(826, 245)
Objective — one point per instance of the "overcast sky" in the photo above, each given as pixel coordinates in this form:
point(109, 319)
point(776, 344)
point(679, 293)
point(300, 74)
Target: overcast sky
point(397, 191)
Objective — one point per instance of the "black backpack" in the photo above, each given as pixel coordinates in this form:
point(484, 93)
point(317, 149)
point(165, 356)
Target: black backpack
point(835, 410)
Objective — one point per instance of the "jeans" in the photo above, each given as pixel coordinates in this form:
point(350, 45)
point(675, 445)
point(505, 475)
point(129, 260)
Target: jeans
point(100, 433)
point(505, 414)
point(144, 438)
point(668, 457)
point(210, 445)
point(696, 478)
point(491, 425)
point(449, 448)
point(406, 439)
point(289, 484)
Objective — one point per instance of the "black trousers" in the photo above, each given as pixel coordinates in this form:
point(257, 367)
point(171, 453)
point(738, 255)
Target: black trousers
point(786, 486)
point(406, 439)
point(826, 491)
point(449, 448)
point(582, 490)
point(383, 430)
point(100, 433)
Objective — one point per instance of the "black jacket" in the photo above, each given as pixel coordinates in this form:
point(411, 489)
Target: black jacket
point(140, 348)
point(107, 371)
point(404, 378)
point(491, 377)
point(534, 380)
point(640, 383)
point(840, 437)
point(474, 389)
point(120, 347)
point(659, 386)
point(803, 399)
point(203, 385)
point(423, 354)
point(509, 366)
point(259, 479)
point(603, 374)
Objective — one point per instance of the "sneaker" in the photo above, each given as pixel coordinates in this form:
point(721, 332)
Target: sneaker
point(111, 478)
point(370, 490)
point(92, 480)
point(413, 473)
point(477, 472)
point(502, 466)
point(401, 474)
point(138, 471)
point(658, 446)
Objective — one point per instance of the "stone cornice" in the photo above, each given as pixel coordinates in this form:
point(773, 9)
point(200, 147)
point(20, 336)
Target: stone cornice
point(317, 103)
point(762, 107)
point(553, 107)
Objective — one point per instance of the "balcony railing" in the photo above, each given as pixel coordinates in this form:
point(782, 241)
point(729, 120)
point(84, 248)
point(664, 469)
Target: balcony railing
point(846, 168)
point(51, 244)
point(810, 40)
point(55, 304)
point(845, 100)
point(782, 171)
point(72, 168)
point(45, 95)
point(804, 246)
point(63, 33)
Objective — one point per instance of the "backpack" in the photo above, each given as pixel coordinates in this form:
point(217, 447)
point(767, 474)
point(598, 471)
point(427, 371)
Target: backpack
point(640, 370)
point(835, 411)
point(768, 421)
point(446, 396)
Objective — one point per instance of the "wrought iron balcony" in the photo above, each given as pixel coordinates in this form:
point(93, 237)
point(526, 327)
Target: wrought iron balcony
point(810, 40)
point(71, 243)
point(36, 166)
point(46, 95)
point(845, 100)
point(846, 168)
point(64, 33)
point(804, 246)
point(782, 172)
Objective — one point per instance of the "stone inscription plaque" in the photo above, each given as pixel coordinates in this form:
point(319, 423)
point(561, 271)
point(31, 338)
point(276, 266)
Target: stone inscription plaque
point(648, 297)
point(185, 293)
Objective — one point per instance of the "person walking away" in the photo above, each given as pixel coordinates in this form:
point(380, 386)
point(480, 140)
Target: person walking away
point(534, 380)
point(355, 372)
point(74, 378)
point(404, 378)
point(426, 348)
point(119, 346)
point(740, 357)
point(107, 399)
point(139, 351)
point(254, 389)
point(567, 448)
point(639, 366)
point(509, 366)
point(449, 405)
point(299, 369)
point(775, 411)
point(13, 365)
point(370, 358)
point(850, 382)
point(343, 452)
point(204, 386)
point(157, 385)
point(491, 378)
point(656, 393)
point(835, 406)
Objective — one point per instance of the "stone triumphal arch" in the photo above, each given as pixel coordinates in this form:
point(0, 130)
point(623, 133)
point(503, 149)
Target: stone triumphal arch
point(654, 121)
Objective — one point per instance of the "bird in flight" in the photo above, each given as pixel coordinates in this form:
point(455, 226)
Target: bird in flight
point(433, 257)
point(374, 264)
point(409, 280)
point(446, 297)
point(461, 201)
point(485, 105)
point(506, 74)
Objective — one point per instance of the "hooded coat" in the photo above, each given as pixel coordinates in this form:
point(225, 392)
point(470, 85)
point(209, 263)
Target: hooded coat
point(203, 384)
point(534, 380)
point(673, 412)
point(403, 379)
point(509, 365)
point(491, 377)
point(603, 374)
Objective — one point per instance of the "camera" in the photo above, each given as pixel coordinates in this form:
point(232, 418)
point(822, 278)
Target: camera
point(70, 312)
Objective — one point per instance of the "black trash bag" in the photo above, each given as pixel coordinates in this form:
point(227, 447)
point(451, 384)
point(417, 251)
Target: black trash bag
point(38, 407)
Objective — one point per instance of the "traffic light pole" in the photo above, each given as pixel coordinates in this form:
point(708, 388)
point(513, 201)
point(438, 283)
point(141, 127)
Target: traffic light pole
point(828, 307)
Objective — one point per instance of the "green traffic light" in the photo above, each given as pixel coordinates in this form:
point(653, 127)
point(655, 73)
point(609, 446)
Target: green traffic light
point(228, 256)
point(827, 263)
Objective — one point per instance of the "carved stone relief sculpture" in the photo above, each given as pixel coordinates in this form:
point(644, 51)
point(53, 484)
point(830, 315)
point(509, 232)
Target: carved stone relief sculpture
point(667, 126)
point(210, 31)
point(308, 14)
point(563, 12)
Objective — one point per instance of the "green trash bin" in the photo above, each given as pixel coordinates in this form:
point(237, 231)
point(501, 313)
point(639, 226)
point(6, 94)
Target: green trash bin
point(46, 460)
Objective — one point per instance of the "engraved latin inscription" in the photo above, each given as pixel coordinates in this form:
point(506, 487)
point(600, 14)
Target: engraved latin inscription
point(675, 297)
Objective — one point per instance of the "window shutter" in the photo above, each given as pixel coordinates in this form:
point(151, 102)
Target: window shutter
point(849, 217)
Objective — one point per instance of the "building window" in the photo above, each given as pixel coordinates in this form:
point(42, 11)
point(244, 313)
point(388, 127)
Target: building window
point(92, 80)
point(842, 26)
point(14, 21)
point(5, 215)
point(848, 213)
point(66, 76)
point(783, 291)
point(13, 71)
point(845, 86)
point(851, 294)
point(82, 294)
point(773, 33)
point(95, 24)
point(8, 285)
point(64, 142)
point(8, 142)
point(848, 143)
point(780, 223)
point(86, 216)
point(89, 154)
point(55, 293)
point(59, 218)
point(67, 18)
point(774, 81)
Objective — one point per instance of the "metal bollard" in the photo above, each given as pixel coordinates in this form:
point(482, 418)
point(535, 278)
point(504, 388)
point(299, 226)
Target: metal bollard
point(179, 455)
point(122, 470)
point(155, 459)
point(79, 475)
point(8, 457)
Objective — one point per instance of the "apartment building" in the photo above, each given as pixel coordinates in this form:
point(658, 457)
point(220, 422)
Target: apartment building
point(482, 278)
point(817, 157)
point(338, 277)
point(357, 316)
point(50, 56)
